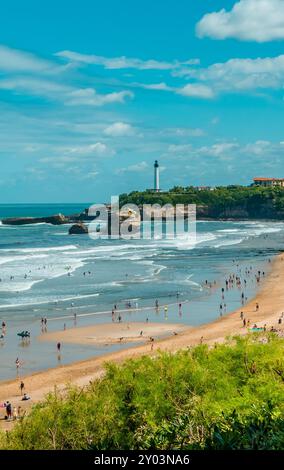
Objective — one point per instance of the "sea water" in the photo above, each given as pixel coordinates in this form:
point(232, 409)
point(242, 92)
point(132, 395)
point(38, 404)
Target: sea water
point(45, 272)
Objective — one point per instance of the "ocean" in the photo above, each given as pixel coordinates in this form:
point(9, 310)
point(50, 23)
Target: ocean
point(45, 272)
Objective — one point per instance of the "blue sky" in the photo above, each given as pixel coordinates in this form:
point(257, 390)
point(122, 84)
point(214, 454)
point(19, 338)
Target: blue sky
point(92, 92)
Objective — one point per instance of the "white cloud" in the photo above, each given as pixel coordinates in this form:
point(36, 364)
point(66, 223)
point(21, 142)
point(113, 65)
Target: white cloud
point(98, 149)
point(262, 152)
point(249, 20)
point(180, 148)
point(196, 90)
point(239, 75)
point(35, 86)
point(182, 132)
point(14, 60)
point(156, 86)
point(69, 95)
point(137, 168)
point(119, 129)
point(89, 97)
point(123, 62)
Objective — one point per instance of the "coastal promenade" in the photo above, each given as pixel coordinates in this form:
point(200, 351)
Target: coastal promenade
point(270, 300)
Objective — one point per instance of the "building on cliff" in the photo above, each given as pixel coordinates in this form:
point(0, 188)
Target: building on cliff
point(269, 182)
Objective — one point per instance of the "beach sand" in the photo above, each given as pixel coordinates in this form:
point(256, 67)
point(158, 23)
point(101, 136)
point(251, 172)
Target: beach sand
point(271, 305)
point(112, 333)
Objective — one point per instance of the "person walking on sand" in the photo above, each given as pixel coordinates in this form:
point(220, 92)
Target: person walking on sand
point(257, 307)
point(58, 347)
point(119, 319)
point(17, 362)
point(8, 410)
point(22, 386)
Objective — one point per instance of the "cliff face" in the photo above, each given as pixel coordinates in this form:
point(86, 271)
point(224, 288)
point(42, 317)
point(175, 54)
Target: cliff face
point(265, 210)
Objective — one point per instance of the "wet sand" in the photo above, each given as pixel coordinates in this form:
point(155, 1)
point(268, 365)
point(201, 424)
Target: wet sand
point(112, 333)
point(271, 305)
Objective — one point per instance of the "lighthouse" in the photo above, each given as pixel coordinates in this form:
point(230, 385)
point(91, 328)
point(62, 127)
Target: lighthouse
point(156, 177)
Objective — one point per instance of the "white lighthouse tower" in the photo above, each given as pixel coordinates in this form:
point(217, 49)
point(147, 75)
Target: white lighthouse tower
point(156, 177)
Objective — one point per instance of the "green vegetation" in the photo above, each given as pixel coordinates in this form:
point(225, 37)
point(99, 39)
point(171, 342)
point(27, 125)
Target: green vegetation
point(228, 397)
point(230, 201)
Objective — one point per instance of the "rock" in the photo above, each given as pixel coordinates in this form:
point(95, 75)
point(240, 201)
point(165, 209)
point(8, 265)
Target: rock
point(78, 229)
point(57, 219)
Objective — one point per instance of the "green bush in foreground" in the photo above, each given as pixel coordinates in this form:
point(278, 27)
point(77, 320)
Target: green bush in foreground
point(227, 397)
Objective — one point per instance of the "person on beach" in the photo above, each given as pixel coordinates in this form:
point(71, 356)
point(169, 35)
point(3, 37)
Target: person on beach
point(22, 386)
point(119, 319)
point(244, 322)
point(256, 307)
point(157, 303)
point(8, 410)
point(64, 326)
point(242, 315)
point(58, 347)
point(17, 362)
point(26, 397)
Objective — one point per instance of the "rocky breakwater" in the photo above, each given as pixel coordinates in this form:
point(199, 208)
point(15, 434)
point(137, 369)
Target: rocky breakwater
point(58, 219)
point(78, 229)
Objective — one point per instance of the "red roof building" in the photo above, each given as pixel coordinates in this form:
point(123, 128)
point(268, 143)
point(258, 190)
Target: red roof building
point(269, 182)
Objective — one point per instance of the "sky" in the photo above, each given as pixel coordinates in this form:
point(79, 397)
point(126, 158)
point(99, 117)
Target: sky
point(92, 93)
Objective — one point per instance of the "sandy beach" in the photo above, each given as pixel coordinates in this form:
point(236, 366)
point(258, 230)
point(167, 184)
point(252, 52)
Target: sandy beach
point(270, 299)
point(112, 333)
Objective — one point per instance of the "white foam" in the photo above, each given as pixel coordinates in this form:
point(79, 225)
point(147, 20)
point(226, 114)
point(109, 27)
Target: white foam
point(11, 259)
point(41, 249)
point(17, 286)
